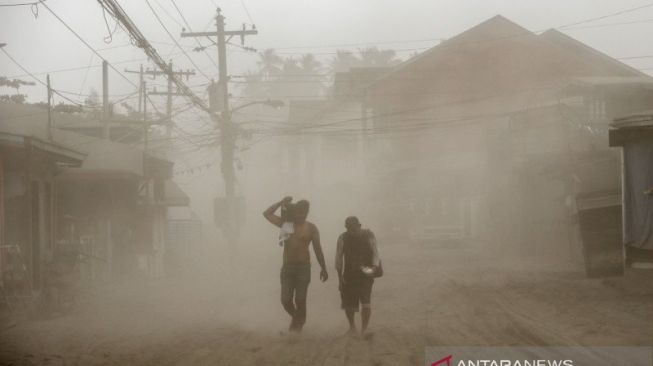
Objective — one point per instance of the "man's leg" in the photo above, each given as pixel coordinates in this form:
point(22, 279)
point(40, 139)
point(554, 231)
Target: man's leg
point(349, 305)
point(287, 290)
point(366, 304)
point(350, 312)
point(366, 312)
point(301, 293)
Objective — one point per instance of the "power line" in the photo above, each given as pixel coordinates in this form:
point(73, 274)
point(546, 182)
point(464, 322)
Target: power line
point(561, 27)
point(22, 4)
point(117, 12)
point(621, 12)
point(175, 41)
point(86, 43)
point(3, 49)
point(94, 51)
point(318, 46)
point(242, 2)
point(168, 14)
point(199, 44)
point(76, 68)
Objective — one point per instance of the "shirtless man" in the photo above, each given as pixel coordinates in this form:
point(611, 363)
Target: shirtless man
point(296, 269)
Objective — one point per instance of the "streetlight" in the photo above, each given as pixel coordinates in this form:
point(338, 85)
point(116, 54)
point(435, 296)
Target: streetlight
point(229, 130)
point(274, 103)
point(2, 45)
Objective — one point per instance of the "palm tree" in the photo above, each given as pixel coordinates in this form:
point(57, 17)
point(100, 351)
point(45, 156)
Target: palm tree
point(253, 86)
point(343, 61)
point(290, 67)
point(374, 57)
point(269, 63)
point(309, 64)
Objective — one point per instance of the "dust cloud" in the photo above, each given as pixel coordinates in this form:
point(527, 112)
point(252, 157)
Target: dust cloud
point(484, 164)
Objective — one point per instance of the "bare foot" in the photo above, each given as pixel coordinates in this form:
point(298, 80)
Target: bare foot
point(352, 332)
point(368, 336)
point(293, 337)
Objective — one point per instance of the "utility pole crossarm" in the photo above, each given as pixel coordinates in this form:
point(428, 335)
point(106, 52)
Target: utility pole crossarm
point(160, 73)
point(177, 94)
point(248, 32)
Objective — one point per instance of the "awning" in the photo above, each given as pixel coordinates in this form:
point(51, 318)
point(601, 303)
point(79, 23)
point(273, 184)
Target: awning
point(78, 174)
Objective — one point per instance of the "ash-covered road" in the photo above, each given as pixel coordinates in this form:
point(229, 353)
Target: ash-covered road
point(428, 297)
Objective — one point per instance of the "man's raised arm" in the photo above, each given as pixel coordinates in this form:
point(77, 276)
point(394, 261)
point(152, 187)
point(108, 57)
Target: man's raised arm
point(270, 215)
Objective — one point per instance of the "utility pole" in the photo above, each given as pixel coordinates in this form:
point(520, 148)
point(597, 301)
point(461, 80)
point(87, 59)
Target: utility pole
point(146, 142)
point(169, 94)
point(140, 88)
point(169, 106)
point(105, 100)
point(49, 108)
point(228, 130)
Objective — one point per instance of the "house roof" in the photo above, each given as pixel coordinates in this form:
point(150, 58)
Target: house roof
point(352, 84)
point(30, 121)
point(602, 63)
point(17, 123)
point(496, 28)
point(639, 119)
point(608, 84)
point(498, 54)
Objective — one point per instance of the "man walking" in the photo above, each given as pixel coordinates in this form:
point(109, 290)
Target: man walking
point(357, 263)
point(296, 269)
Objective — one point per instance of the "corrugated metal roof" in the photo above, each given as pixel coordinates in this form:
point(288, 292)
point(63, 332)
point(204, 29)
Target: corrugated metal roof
point(31, 121)
point(639, 119)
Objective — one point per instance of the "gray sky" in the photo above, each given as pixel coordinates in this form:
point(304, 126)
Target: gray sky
point(43, 44)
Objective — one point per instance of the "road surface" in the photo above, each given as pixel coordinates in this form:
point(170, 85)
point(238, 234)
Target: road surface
point(428, 297)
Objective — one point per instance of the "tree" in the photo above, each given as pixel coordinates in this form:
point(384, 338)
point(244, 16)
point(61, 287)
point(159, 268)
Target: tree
point(282, 78)
point(290, 67)
point(269, 63)
point(309, 64)
point(13, 98)
point(366, 57)
point(343, 61)
point(93, 99)
point(374, 57)
point(14, 83)
point(253, 85)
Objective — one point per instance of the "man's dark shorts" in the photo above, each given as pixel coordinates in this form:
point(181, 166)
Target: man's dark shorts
point(356, 291)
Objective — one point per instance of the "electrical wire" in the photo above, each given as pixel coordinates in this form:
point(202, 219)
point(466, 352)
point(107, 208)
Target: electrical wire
point(242, 2)
point(3, 49)
point(621, 12)
point(22, 4)
point(175, 41)
point(199, 44)
point(86, 43)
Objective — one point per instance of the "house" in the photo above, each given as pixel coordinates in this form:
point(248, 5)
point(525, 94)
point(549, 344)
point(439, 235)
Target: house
point(29, 163)
point(109, 208)
point(492, 134)
point(634, 134)
point(325, 156)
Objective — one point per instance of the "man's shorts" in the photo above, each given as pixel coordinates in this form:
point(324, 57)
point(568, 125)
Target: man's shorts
point(356, 291)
